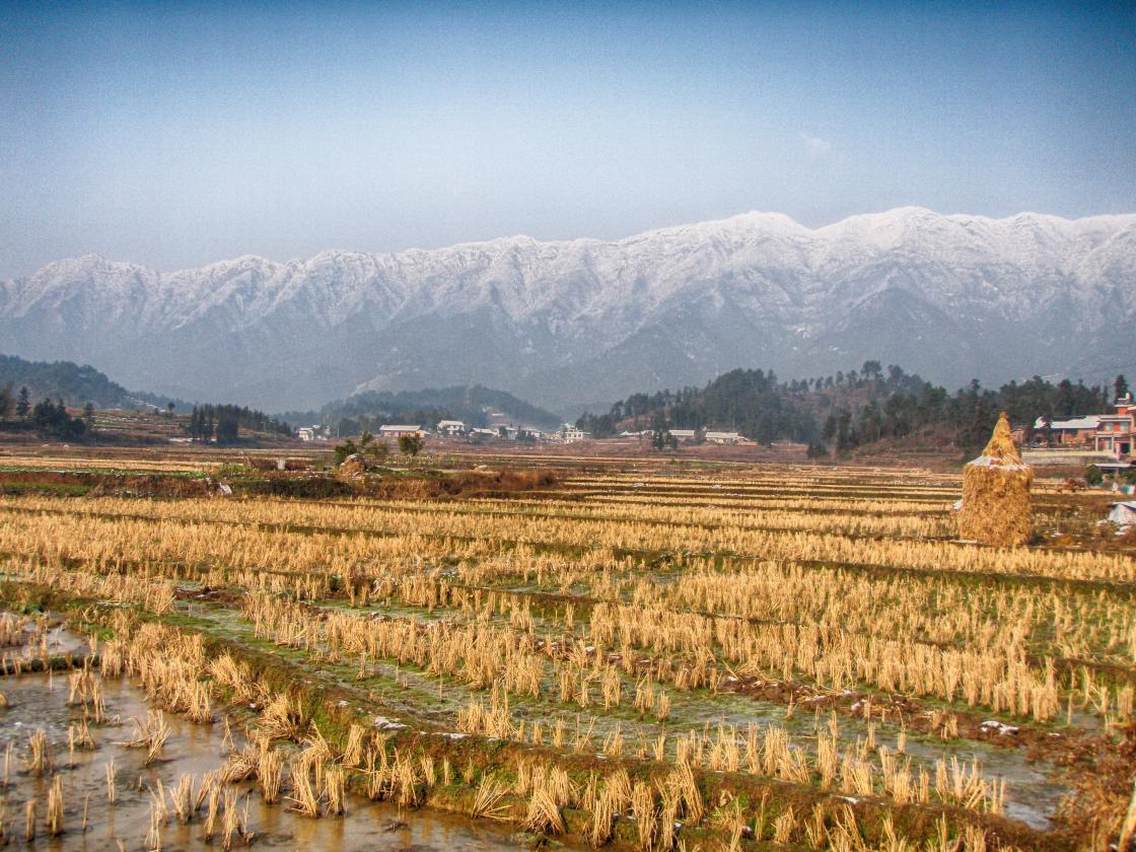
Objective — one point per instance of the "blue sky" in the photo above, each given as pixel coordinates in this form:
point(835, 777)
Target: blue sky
point(174, 134)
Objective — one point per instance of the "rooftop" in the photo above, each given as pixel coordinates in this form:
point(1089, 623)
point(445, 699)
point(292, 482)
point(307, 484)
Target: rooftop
point(1090, 421)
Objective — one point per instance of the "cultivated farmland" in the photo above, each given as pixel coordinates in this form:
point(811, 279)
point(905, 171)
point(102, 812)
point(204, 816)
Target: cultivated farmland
point(639, 655)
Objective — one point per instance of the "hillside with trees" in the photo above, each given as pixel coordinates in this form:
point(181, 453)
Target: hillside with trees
point(470, 404)
point(849, 409)
point(75, 384)
point(40, 397)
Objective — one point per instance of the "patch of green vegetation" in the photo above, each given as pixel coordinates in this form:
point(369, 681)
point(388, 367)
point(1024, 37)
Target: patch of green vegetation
point(51, 489)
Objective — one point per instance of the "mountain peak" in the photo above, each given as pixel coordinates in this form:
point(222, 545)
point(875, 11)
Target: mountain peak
point(950, 296)
point(83, 262)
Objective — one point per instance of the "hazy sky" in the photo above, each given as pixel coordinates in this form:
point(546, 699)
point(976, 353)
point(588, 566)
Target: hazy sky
point(174, 134)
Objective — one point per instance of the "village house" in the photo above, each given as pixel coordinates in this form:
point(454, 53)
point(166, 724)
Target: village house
point(1073, 432)
point(570, 434)
point(451, 428)
point(683, 434)
point(397, 430)
point(1115, 432)
point(521, 433)
point(715, 437)
point(315, 432)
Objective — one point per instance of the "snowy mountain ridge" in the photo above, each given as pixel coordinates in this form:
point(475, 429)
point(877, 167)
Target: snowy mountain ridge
point(580, 321)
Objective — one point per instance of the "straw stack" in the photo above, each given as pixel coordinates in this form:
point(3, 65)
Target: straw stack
point(352, 467)
point(996, 492)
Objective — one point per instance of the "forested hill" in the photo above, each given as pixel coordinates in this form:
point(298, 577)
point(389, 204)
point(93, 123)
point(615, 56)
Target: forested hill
point(471, 404)
point(848, 409)
point(75, 384)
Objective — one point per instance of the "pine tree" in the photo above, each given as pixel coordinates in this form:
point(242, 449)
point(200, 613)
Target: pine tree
point(661, 436)
point(23, 404)
point(845, 437)
point(228, 427)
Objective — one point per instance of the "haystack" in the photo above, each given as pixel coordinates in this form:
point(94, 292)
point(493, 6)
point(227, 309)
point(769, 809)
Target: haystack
point(996, 492)
point(352, 467)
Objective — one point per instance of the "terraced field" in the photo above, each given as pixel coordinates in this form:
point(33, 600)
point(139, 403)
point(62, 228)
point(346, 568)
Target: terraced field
point(728, 656)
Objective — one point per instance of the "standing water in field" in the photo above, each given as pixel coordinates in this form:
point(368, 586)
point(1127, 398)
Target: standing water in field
point(38, 702)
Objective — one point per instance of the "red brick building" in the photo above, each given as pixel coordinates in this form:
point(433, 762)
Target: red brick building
point(1073, 432)
point(1115, 431)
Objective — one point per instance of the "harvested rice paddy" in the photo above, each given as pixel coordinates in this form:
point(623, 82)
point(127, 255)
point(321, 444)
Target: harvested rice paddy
point(633, 656)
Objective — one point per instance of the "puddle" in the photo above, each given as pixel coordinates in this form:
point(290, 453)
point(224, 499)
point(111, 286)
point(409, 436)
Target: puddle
point(1032, 796)
point(39, 701)
point(32, 639)
point(194, 749)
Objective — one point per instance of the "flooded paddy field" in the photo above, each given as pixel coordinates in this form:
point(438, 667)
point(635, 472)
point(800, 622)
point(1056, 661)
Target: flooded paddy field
point(113, 796)
point(741, 657)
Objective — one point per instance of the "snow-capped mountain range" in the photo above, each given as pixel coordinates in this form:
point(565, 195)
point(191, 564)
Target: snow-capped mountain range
point(587, 321)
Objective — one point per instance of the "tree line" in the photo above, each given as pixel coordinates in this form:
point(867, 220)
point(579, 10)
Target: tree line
point(223, 423)
point(847, 409)
point(52, 419)
point(49, 419)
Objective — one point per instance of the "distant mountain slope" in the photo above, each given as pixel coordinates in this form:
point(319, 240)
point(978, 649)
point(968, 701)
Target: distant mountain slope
point(583, 321)
point(473, 405)
point(75, 384)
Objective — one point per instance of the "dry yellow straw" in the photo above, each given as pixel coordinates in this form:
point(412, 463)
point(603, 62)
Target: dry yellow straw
point(996, 492)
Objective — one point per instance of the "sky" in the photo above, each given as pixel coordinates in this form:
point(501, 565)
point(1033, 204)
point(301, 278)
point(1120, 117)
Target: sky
point(176, 134)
